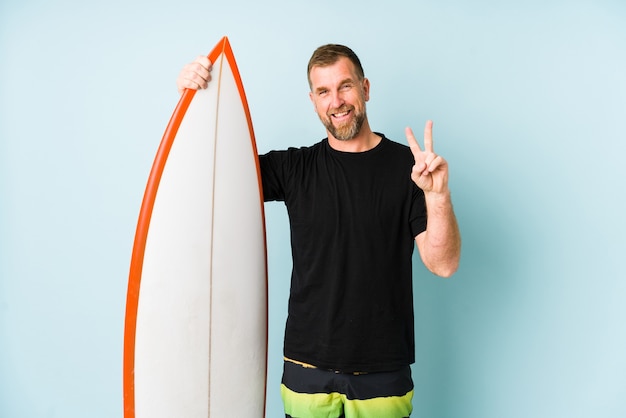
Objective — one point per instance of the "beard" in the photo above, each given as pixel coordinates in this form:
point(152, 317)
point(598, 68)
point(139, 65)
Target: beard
point(347, 130)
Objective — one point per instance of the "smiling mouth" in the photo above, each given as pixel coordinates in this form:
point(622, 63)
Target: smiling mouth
point(341, 113)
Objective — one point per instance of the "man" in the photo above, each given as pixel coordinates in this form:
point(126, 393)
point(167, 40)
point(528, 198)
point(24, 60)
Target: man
point(357, 202)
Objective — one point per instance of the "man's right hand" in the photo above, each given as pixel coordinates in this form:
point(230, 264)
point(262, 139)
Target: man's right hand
point(195, 75)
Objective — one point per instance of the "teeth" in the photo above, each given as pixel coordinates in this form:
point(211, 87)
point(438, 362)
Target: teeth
point(338, 115)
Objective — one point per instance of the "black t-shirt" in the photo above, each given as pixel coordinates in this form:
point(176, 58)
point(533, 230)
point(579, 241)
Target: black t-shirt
point(354, 217)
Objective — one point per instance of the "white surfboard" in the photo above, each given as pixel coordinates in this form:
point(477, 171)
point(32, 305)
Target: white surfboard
point(196, 316)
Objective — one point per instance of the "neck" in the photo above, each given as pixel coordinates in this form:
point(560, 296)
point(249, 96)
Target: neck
point(365, 140)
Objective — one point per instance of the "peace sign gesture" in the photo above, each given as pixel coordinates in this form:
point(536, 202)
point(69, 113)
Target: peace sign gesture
point(430, 171)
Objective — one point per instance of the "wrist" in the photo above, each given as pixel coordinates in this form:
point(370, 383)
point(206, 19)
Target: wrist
point(439, 196)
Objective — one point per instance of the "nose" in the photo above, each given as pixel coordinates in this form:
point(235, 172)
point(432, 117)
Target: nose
point(337, 99)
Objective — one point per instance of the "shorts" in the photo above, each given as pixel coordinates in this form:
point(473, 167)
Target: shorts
point(317, 393)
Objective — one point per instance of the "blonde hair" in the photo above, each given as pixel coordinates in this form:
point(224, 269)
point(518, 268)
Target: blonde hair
point(329, 54)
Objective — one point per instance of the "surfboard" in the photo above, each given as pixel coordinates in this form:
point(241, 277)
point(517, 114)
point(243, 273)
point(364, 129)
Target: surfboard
point(195, 339)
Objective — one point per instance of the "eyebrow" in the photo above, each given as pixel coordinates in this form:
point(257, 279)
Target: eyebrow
point(348, 80)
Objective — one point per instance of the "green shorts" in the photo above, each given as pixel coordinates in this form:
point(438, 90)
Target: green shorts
point(317, 393)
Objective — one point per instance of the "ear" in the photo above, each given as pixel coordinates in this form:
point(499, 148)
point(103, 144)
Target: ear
point(366, 88)
point(312, 98)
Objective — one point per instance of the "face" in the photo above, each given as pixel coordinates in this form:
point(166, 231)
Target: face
point(339, 98)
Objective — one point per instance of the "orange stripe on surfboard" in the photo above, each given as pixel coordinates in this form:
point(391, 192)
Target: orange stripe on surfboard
point(145, 214)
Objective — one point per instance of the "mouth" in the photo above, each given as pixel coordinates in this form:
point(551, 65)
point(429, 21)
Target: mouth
point(341, 113)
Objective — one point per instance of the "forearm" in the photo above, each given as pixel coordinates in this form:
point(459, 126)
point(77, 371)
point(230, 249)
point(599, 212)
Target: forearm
point(440, 244)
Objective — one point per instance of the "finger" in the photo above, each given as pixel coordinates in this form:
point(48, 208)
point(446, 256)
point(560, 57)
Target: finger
point(195, 75)
point(191, 83)
point(428, 136)
point(199, 76)
point(199, 70)
point(433, 165)
point(204, 62)
point(190, 80)
point(413, 144)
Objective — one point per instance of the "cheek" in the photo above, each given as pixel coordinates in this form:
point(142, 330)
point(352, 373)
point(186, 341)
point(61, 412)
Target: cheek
point(320, 107)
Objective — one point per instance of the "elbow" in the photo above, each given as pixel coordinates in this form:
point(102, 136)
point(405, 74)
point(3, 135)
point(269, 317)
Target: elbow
point(445, 272)
point(445, 268)
point(442, 260)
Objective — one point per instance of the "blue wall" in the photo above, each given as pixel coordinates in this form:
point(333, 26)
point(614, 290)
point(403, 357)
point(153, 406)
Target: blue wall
point(529, 104)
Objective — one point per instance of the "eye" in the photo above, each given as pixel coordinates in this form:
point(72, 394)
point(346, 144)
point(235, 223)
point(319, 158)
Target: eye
point(346, 86)
point(322, 92)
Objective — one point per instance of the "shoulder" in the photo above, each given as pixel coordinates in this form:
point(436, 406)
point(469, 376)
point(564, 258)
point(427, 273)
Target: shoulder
point(302, 150)
point(396, 150)
point(294, 154)
point(393, 145)
point(292, 160)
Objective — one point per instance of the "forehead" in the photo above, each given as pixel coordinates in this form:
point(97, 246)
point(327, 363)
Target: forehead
point(343, 69)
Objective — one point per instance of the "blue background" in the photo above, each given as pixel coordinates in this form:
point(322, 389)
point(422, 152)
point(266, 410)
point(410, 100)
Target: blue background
point(529, 104)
